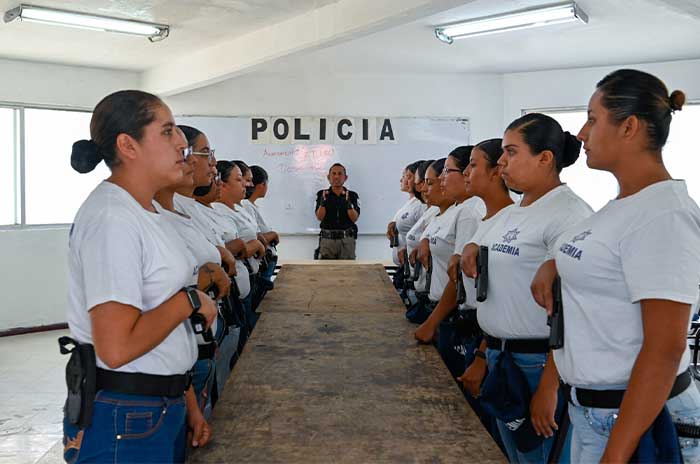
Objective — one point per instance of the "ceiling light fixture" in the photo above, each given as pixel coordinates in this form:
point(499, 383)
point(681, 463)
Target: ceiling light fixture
point(513, 21)
point(154, 32)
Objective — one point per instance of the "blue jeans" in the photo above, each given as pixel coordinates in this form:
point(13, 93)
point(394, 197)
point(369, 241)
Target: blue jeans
point(226, 356)
point(129, 429)
point(267, 275)
point(451, 348)
point(251, 317)
point(592, 427)
point(202, 382)
point(532, 365)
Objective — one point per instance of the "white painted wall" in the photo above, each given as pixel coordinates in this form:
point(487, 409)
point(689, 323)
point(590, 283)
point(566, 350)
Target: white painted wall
point(33, 282)
point(573, 87)
point(478, 97)
point(28, 252)
point(50, 84)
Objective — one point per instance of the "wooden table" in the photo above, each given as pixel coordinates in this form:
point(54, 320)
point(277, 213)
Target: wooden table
point(341, 380)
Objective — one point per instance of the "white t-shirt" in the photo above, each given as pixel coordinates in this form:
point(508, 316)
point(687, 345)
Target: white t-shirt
point(217, 231)
point(202, 250)
point(246, 224)
point(413, 238)
point(254, 211)
point(405, 218)
point(120, 252)
point(645, 246)
point(191, 207)
point(458, 221)
point(519, 240)
point(469, 284)
point(191, 238)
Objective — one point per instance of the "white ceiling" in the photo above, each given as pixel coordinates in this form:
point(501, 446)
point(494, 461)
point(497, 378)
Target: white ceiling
point(619, 31)
point(193, 24)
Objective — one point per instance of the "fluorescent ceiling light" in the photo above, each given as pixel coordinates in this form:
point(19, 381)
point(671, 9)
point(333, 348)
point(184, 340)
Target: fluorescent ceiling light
point(517, 20)
point(154, 32)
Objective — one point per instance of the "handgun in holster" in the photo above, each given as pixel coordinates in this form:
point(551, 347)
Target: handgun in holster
point(81, 380)
point(395, 238)
point(429, 273)
point(199, 322)
point(461, 291)
point(406, 269)
point(417, 269)
point(481, 283)
point(556, 320)
point(466, 323)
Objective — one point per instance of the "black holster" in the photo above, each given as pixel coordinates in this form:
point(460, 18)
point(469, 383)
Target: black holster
point(556, 320)
point(81, 380)
point(466, 323)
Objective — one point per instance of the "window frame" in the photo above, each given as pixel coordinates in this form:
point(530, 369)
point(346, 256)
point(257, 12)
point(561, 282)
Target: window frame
point(583, 109)
point(20, 164)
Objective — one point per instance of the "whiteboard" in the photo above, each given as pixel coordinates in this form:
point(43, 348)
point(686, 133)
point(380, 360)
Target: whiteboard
point(298, 171)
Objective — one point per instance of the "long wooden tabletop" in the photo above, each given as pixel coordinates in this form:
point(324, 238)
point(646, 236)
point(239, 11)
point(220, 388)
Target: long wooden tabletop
point(341, 380)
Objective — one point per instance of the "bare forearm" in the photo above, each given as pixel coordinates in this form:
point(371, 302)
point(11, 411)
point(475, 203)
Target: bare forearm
point(651, 381)
point(191, 403)
point(235, 247)
point(321, 213)
point(271, 236)
point(447, 303)
point(119, 341)
point(550, 374)
point(353, 215)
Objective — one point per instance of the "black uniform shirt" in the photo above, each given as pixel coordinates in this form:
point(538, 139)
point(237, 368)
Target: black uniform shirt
point(337, 209)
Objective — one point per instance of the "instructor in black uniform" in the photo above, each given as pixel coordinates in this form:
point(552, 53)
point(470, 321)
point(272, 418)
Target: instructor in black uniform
point(338, 209)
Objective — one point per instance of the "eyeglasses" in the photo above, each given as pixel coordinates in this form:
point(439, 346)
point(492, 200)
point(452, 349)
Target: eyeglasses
point(186, 153)
point(209, 154)
point(447, 170)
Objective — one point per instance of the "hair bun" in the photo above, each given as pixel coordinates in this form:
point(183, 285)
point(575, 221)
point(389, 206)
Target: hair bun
point(571, 151)
point(85, 156)
point(676, 100)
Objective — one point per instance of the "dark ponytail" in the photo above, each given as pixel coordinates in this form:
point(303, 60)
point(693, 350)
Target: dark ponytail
point(191, 133)
point(461, 156)
point(542, 132)
point(628, 92)
point(422, 167)
point(493, 148)
point(413, 168)
point(124, 112)
point(438, 166)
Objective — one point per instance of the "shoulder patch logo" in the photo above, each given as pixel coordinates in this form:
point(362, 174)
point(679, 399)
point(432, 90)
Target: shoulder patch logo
point(511, 235)
point(582, 236)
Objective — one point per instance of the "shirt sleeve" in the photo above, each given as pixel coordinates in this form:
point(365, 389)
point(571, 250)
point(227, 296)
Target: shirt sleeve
point(319, 199)
point(478, 236)
point(111, 258)
point(567, 218)
point(661, 260)
point(467, 225)
point(355, 201)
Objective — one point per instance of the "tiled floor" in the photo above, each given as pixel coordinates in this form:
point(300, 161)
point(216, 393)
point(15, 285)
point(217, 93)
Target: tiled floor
point(32, 392)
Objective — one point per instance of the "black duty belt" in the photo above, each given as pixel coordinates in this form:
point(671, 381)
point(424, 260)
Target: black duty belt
point(518, 345)
point(134, 383)
point(206, 351)
point(338, 234)
point(612, 399)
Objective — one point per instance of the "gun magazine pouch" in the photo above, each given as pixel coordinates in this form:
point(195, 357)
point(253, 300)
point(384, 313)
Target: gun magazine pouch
point(80, 380)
